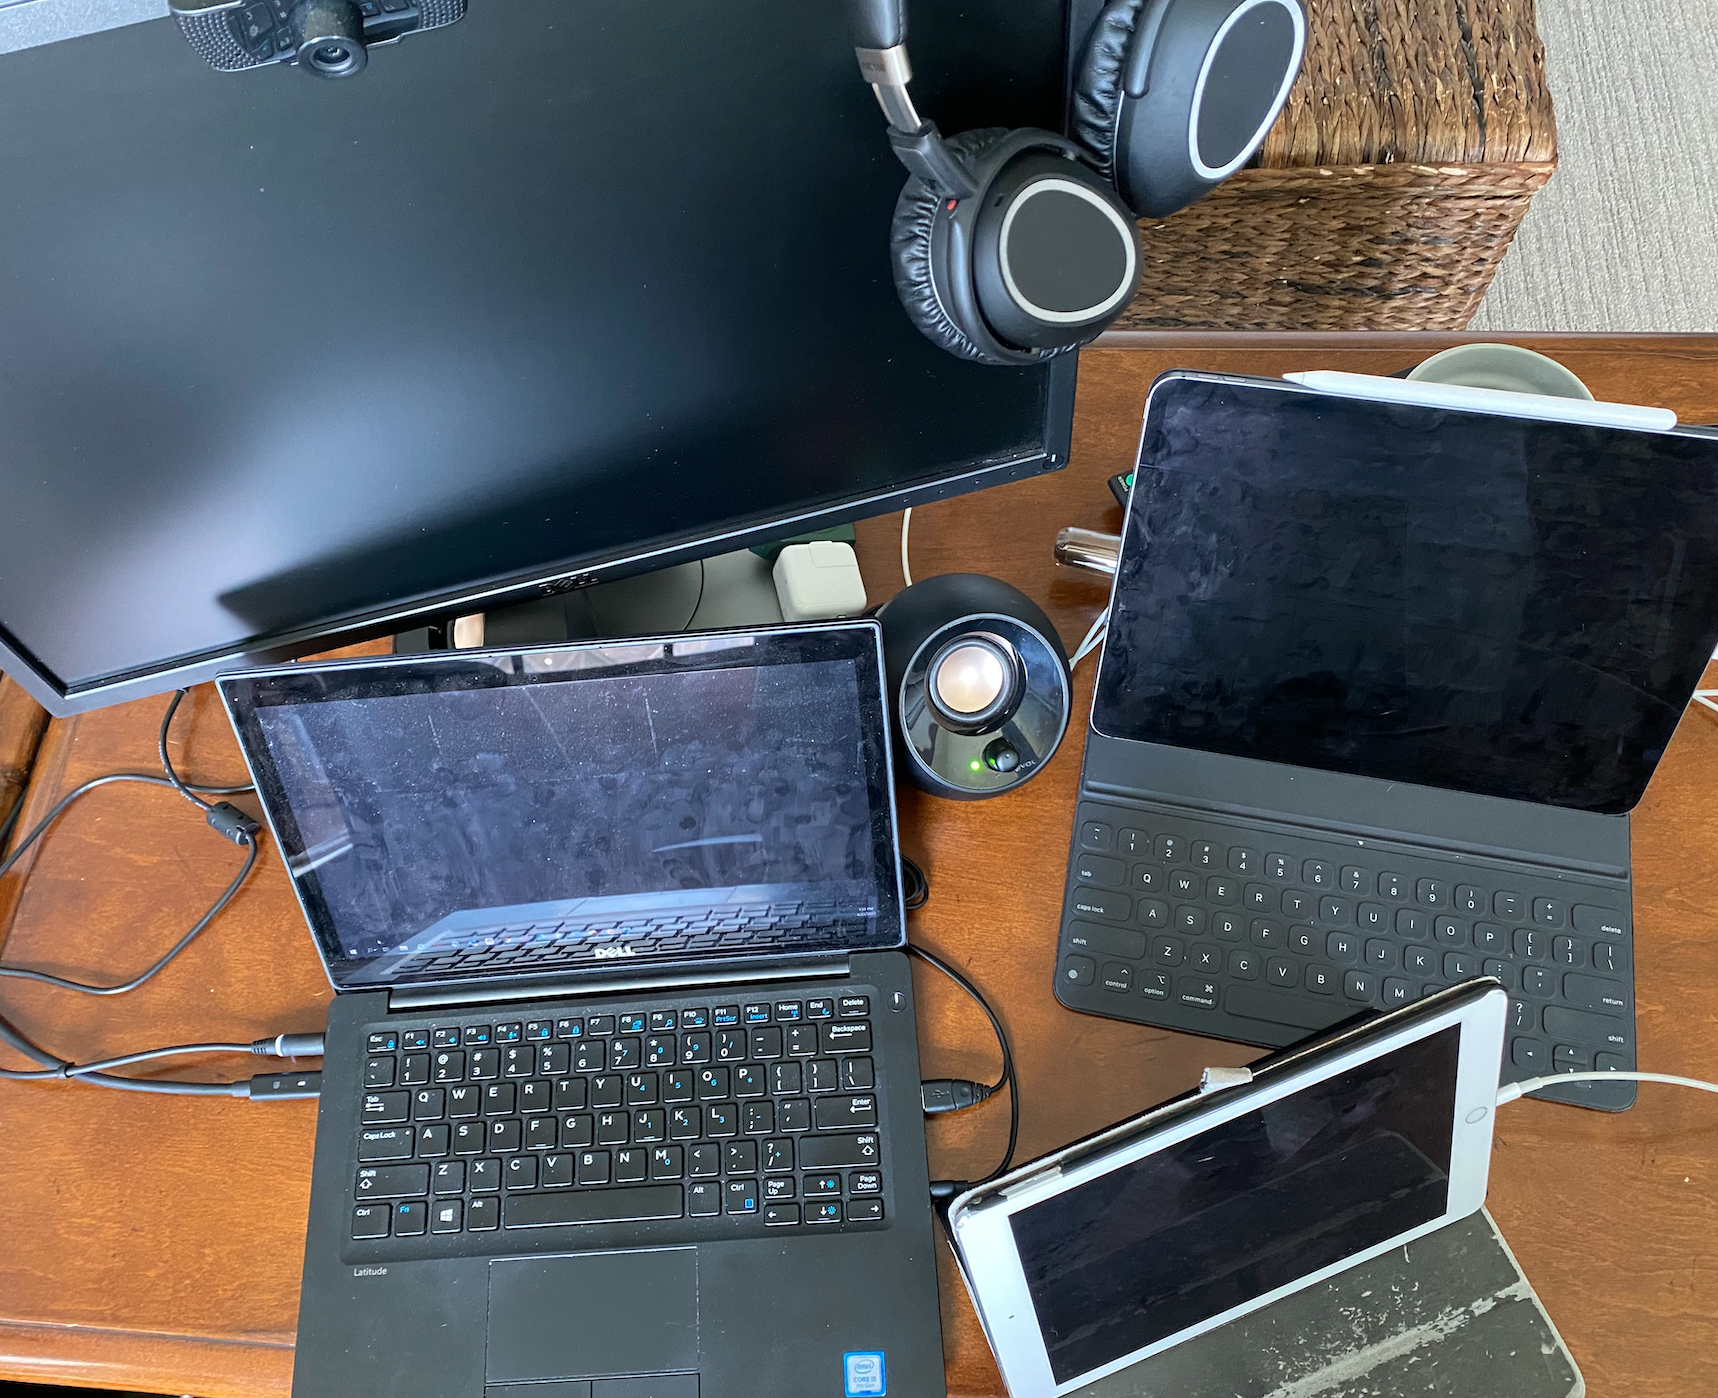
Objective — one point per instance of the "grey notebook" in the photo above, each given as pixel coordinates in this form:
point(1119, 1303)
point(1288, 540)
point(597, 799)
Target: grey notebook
point(1451, 1315)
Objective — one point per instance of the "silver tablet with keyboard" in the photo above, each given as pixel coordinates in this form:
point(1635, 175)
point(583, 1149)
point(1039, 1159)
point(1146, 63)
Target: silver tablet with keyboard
point(1120, 1246)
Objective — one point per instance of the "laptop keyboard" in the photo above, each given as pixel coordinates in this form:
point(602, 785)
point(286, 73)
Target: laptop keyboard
point(547, 946)
point(1264, 938)
point(757, 1116)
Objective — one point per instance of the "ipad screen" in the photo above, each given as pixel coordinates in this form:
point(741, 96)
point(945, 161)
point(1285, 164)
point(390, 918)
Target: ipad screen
point(1234, 1212)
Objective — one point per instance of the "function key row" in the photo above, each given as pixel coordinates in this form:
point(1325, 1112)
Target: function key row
point(657, 1021)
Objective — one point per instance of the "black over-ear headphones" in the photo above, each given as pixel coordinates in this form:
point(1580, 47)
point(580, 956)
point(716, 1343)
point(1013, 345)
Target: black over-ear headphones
point(1013, 246)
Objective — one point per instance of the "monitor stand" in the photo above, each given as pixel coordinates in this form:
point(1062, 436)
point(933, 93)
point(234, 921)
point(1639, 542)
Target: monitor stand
point(731, 589)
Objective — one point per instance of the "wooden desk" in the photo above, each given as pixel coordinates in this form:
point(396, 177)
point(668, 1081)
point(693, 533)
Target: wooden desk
point(154, 1243)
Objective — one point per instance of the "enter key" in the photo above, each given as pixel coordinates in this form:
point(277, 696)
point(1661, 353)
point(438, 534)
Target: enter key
point(1595, 993)
point(843, 1113)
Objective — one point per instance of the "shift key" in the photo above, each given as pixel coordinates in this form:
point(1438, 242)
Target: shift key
point(1595, 1031)
point(1107, 941)
point(393, 1181)
point(836, 1152)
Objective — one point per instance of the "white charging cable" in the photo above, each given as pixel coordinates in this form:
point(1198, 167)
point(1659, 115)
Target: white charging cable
point(1094, 638)
point(1510, 1091)
point(906, 524)
point(1216, 1079)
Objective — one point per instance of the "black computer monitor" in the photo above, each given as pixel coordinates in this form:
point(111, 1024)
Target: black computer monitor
point(564, 290)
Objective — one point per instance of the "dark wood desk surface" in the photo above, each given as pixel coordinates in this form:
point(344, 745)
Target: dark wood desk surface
point(154, 1243)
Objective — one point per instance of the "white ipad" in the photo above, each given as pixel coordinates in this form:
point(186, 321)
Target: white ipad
point(1163, 1227)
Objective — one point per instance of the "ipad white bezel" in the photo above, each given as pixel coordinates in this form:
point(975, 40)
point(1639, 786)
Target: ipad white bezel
point(980, 1222)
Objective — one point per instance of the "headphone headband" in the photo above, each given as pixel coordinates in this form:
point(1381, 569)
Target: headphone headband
point(878, 24)
point(880, 44)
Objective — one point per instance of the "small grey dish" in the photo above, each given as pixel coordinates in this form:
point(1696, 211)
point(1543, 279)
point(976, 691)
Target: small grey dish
point(1507, 367)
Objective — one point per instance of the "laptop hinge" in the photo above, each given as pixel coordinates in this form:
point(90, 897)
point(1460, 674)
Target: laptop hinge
point(570, 987)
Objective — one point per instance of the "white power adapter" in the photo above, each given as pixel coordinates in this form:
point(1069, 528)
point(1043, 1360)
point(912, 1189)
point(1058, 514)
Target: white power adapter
point(818, 581)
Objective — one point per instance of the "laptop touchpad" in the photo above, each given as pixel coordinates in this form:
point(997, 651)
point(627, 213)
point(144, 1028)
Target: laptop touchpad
point(593, 1315)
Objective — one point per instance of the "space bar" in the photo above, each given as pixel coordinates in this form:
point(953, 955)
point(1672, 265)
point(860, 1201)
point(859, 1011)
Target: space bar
point(1251, 1003)
point(594, 1206)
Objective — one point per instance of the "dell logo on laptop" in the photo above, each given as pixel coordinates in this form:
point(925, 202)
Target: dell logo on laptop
point(604, 953)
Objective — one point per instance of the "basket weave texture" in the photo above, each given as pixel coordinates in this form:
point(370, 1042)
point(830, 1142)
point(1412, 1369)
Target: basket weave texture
point(1387, 192)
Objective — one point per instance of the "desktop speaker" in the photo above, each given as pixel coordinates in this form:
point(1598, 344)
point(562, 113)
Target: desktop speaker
point(978, 684)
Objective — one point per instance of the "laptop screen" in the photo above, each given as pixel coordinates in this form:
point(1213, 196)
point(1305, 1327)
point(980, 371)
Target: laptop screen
point(582, 808)
point(1493, 605)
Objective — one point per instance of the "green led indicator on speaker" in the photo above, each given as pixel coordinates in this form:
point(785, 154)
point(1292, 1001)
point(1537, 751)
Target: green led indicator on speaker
point(976, 765)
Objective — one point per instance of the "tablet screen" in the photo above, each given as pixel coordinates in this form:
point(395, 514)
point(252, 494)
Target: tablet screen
point(1484, 604)
point(1232, 1213)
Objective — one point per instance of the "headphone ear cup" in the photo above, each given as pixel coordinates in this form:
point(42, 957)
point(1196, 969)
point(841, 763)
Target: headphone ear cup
point(1098, 90)
point(910, 247)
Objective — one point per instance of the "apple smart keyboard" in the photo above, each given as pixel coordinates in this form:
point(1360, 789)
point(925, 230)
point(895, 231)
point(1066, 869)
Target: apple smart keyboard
point(620, 1095)
point(1382, 681)
point(1117, 1247)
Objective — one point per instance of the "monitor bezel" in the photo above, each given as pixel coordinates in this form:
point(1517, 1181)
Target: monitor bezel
point(62, 699)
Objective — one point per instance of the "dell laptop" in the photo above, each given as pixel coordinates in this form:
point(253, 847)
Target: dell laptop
point(620, 1093)
point(1382, 683)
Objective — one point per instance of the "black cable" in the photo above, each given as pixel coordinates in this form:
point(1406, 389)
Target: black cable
point(53, 1067)
point(172, 779)
point(263, 1086)
point(125, 1060)
point(915, 887)
point(224, 818)
point(47, 978)
point(1007, 1080)
point(59, 806)
point(693, 615)
point(167, 762)
point(187, 789)
point(12, 818)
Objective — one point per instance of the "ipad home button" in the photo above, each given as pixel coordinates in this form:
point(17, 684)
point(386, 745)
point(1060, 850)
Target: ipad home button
point(1477, 1115)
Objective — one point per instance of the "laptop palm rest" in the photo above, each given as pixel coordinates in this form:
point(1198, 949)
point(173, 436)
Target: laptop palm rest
point(595, 1316)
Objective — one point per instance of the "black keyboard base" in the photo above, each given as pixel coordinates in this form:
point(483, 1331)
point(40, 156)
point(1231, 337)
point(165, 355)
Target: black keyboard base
point(1213, 927)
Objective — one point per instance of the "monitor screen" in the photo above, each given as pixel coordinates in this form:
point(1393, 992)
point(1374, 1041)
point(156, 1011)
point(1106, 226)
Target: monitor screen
point(1229, 1214)
point(1494, 605)
point(540, 296)
point(564, 809)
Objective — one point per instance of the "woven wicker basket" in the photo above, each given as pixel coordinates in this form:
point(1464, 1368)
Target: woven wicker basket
point(1387, 192)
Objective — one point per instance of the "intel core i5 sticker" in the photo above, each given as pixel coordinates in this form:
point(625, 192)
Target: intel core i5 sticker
point(865, 1375)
